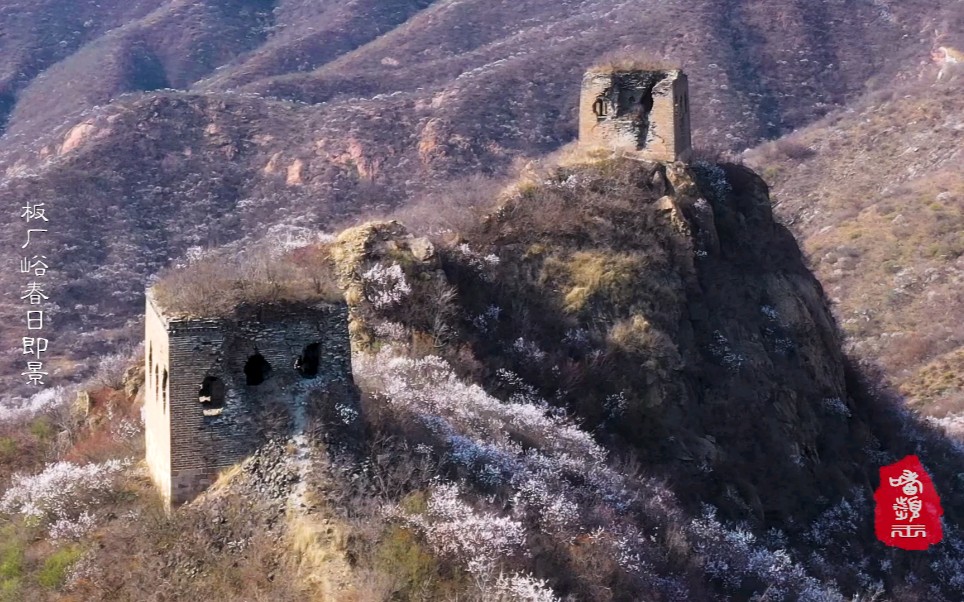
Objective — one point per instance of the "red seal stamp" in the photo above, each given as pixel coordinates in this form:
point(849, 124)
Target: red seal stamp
point(908, 512)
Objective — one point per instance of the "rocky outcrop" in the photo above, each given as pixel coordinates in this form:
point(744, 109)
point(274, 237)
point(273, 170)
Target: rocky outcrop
point(664, 305)
point(390, 246)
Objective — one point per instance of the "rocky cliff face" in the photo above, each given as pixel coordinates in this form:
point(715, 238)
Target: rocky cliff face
point(622, 384)
point(663, 305)
point(662, 309)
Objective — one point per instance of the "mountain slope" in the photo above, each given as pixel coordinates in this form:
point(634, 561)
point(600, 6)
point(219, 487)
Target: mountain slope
point(306, 123)
point(876, 196)
point(623, 384)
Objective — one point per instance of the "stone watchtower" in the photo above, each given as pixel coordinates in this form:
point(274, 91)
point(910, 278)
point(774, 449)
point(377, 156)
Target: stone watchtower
point(215, 386)
point(637, 113)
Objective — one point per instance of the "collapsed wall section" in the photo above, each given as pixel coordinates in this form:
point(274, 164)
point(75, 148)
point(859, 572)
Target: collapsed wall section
point(636, 113)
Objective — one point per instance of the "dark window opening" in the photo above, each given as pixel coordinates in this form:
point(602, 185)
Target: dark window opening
point(599, 107)
point(602, 104)
point(256, 370)
point(164, 389)
point(641, 120)
point(211, 396)
point(307, 362)
point(157, 382)
point(646, 101)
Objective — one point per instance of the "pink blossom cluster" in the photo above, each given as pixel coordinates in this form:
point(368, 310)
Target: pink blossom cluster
point(561, 483)
point(455, 529)
point(480, 540)
point(484, 433)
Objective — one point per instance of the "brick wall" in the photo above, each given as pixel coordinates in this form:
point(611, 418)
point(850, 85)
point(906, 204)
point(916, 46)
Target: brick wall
point(186, 448)
point(664, 135)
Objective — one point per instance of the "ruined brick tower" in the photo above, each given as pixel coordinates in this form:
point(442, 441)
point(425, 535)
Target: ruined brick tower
point(637, 113)
point(214, 387)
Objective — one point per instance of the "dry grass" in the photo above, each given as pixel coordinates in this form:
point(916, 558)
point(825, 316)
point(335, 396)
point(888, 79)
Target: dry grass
point(632, 61)
point(575, 154)
point(215, 285)
point(597, 278)
point(938, 387)
point(875, 196)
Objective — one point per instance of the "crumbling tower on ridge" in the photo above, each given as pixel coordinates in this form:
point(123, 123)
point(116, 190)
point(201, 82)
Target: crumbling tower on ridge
point(642, 114)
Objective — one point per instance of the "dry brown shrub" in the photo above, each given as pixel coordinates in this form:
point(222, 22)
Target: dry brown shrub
point(911, 350)
point(452, 207)
point(794, 149)
point(214, 285)
point(632, 60)
point(216, 552)
point(714, 154)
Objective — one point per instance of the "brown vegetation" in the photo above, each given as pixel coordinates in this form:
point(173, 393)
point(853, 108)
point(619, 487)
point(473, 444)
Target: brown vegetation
point(876, 200)
point(630, 61)
point(376, 102)
point(216, 284)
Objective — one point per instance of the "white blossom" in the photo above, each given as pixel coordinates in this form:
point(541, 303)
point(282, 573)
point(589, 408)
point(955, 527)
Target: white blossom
point(528, 350)
point(346, 413)
point(19, 408)
point(385, 287)
point(835, 405)
point(484, 321)
point(479, 262)
point(478, 539)
point(66, 528)
point(722, 350)
point(62, 495)
point(770, 312)
point(392, 331)
point(523, 588)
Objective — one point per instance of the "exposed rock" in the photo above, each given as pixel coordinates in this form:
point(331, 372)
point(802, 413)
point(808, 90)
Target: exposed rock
point(388, 243)
point(422, 249)
point(82, 405)
point(77, 135)
point(296, 172)
point(668, 204)
point(133, 380)
point(272, 166)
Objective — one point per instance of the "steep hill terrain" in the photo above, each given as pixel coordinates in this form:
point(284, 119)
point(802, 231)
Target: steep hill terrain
point(585, 381)
point(151, 128)
point(876, 196)
point(622, 384)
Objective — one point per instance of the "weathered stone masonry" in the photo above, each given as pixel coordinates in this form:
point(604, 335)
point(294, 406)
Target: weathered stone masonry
point(641, 114)
point(212, 383)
